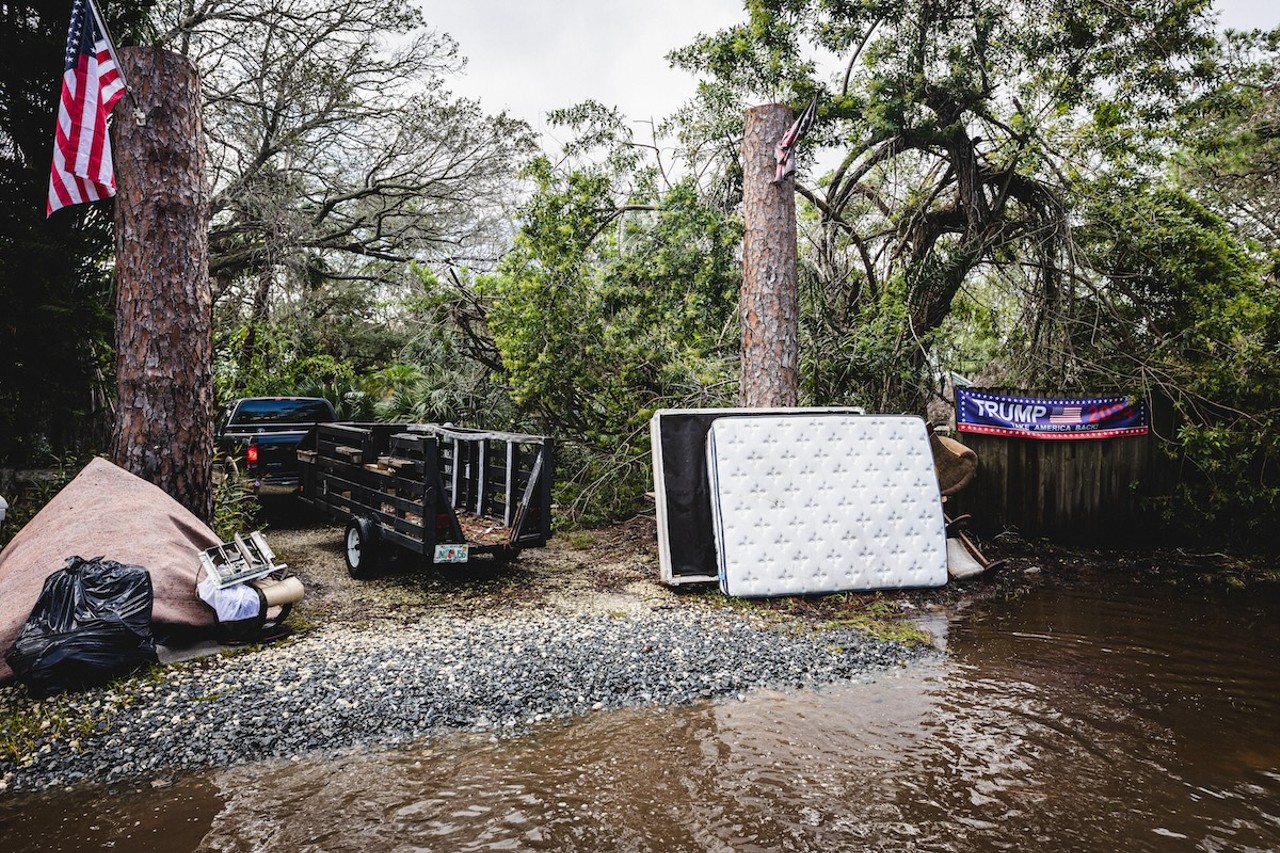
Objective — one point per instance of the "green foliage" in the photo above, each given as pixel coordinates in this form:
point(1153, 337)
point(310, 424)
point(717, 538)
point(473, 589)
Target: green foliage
point(595, 327)
point(235, 503)
point(594, 488)
point(450, 381)
point(854, 353)
point(399, 360)
point(1230, 154)
point(30, 497)
point(430, 392)
point(618, 298)
point(276, 366)
point(1189, 312)
point(1228, 318)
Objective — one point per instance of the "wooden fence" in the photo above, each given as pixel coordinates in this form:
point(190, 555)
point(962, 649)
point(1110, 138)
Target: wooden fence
point(1088, 491)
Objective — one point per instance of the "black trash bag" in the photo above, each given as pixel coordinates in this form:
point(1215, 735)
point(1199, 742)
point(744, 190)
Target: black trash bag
point(92, 623)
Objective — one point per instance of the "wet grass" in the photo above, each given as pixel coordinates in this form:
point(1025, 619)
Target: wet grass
point(898, 630)
point(26, 723)
point(875, 614)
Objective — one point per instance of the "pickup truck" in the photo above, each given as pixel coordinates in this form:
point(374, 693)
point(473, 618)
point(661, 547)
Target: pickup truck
point(260, 435)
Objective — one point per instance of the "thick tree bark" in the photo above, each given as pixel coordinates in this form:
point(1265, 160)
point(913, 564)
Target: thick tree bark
point(164, 366)
point(768, 305)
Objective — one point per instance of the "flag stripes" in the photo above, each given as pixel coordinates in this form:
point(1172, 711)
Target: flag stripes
point(784, 152)
point(82, 169)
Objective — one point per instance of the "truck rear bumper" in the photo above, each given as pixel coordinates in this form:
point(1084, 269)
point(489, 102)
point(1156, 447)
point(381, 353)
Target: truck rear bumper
point(277, 482)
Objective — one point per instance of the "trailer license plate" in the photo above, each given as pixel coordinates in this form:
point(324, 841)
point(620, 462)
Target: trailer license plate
point(451, 553)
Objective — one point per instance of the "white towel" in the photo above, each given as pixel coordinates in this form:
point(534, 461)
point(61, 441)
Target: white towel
point(231, 603)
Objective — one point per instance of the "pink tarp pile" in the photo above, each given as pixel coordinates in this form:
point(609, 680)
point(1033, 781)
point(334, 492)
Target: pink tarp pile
point(106, 511)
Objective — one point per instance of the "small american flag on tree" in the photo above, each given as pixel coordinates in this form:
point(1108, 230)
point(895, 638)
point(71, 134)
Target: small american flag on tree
point(785, 151)
point(91, 84)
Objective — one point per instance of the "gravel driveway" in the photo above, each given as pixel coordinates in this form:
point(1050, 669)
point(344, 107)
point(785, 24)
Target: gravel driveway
point(578, 627)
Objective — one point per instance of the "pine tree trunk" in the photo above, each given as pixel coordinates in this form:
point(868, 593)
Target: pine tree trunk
point(769, 304)
point(164, 367)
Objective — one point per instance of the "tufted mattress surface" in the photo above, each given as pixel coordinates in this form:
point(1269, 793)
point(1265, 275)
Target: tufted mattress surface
point(816, 504)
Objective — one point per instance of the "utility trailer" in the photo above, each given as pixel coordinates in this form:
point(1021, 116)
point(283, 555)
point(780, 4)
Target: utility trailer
point(445, 493)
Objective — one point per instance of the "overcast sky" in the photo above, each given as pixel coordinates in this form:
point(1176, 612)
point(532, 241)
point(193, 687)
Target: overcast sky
point(531, 56)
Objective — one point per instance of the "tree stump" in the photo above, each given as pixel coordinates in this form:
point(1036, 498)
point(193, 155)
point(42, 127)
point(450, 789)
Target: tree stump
point(768, 306)
point(164, 349)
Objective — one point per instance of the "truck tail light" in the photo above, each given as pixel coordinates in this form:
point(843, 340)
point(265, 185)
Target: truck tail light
point(251, 454)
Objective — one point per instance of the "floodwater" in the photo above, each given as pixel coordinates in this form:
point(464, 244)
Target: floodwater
point(1096, 713)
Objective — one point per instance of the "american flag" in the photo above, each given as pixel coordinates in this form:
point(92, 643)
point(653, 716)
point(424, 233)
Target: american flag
point(91, 85)
point(784, 153)
point(1065, 415)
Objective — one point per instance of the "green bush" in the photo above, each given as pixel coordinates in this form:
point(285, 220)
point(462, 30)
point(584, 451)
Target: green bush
point(30, 497)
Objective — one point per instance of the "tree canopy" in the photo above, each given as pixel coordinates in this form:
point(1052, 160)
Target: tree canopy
point(338, 158)
point(1068, 193)
point(961, 131)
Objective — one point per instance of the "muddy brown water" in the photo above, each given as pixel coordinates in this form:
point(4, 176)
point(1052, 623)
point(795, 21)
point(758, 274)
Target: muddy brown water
point(1095, 713)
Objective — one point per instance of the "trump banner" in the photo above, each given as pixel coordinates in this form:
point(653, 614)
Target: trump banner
point(990, 413)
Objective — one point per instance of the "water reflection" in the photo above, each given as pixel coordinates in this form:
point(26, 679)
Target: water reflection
point(1091, 715)
point(150, 820)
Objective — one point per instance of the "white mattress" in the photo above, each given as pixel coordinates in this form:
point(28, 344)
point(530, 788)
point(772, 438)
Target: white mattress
point(806, 505)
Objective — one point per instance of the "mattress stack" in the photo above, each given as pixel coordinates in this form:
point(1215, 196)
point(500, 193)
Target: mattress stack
point(772, 502)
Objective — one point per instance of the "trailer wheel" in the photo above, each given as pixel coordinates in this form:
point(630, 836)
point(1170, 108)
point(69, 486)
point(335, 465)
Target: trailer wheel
point(361, 547)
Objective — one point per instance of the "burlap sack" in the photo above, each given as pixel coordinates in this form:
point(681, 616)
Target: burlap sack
point(106, 511)
point(956, 464)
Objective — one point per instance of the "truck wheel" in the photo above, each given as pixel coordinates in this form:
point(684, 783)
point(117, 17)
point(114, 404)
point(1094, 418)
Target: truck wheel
point(361, 547)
